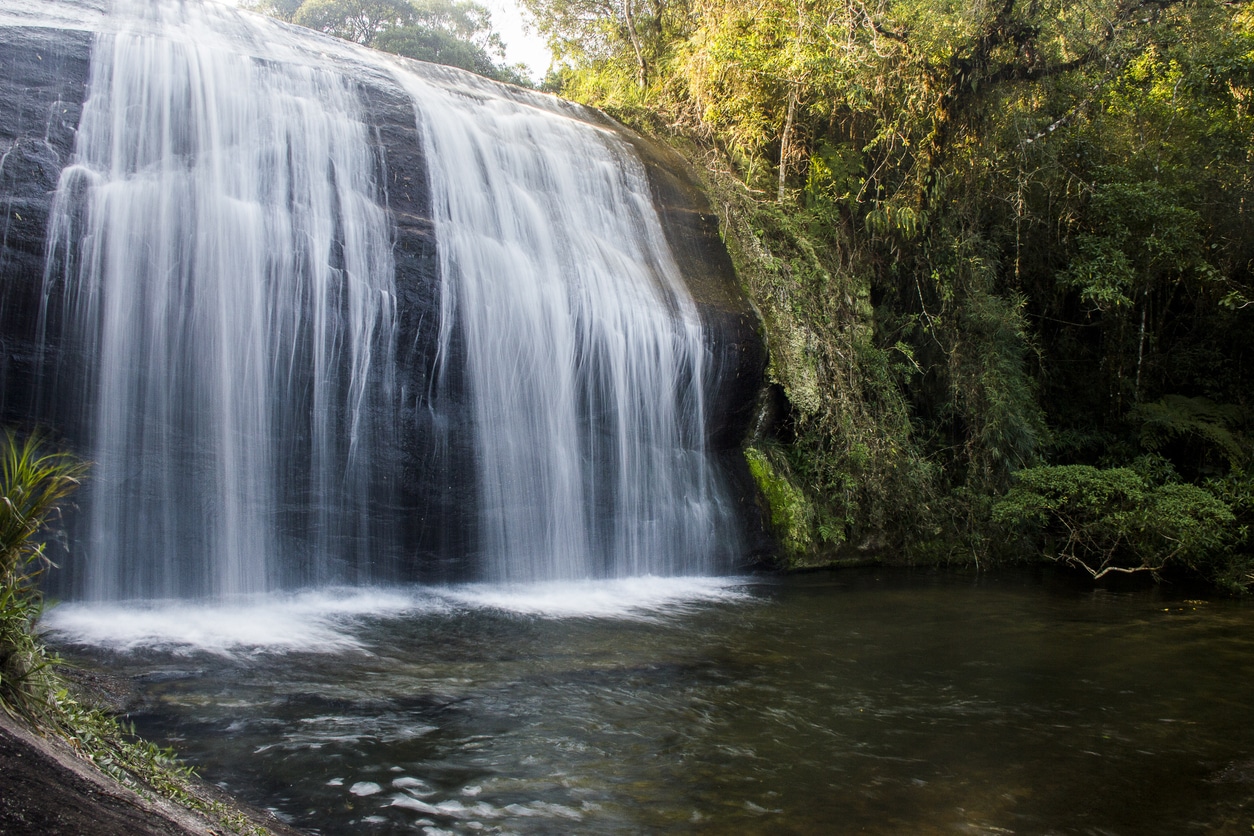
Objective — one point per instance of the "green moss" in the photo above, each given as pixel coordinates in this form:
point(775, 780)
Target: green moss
point(791, 514)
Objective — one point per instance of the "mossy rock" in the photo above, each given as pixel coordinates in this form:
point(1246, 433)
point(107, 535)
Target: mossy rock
point(790, 513)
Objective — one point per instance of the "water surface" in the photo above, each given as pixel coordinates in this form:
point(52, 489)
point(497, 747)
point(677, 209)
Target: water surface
point(857, 702)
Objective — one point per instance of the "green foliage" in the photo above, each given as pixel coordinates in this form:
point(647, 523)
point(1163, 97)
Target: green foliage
point(24, 663)
point(980, 343)
point(619, 46)
point(1142, 234)
point(982, 238)
point(851, 452)
point(1115, 519)
point(1207, 431)
point(32, 484)
point(457, 33)
point(1233, 568)
point(134, 762)
point(360, 21)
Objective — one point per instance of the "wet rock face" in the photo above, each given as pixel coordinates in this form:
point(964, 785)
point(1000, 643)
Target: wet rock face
point(44, 74)
point(431, 516)
point(43, 80)
point(736, 343)
point(692, 231)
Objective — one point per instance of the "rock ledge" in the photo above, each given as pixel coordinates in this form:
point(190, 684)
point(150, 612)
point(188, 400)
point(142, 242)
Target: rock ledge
point(46, 790)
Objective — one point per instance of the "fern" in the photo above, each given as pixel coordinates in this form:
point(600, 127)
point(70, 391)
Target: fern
point(1198, 420)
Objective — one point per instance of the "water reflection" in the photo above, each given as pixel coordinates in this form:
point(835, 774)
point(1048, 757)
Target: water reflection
point(853, 702)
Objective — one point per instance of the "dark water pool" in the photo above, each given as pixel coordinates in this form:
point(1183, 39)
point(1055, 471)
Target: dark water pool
point(854, 702)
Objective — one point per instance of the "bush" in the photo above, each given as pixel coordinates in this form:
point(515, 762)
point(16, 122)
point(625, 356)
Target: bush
point(1233, 569)
point(1116, 519)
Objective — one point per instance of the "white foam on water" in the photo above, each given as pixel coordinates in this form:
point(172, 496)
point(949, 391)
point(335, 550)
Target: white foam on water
point(306, 622)
point(330, 621)
point(645, 597)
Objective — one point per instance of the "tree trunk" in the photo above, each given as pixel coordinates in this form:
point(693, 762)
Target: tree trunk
point(1140, 348)
point(784, 141)
point(629, 13)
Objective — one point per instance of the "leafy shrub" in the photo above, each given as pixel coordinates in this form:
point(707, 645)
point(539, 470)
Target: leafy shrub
point(1115, 519)
point(1233, 569)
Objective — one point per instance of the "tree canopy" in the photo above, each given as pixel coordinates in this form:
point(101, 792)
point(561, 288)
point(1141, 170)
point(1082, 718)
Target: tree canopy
point(457, 33)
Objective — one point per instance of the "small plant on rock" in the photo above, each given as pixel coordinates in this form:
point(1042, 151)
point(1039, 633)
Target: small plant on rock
point(32, 485)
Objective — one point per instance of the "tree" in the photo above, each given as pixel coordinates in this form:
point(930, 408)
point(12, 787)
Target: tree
point(456, 33)
point(631, 35)
point(1115, 520)
point(360, 21)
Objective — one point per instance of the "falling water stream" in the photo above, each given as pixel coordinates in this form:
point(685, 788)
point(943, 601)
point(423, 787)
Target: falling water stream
point(221, 267)
point(583, 349)
point(219, 249)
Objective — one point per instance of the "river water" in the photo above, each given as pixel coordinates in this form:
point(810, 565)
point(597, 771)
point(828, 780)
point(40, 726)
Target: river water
point(854, 702)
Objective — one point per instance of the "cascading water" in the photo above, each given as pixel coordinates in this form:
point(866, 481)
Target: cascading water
point(583, 350)
point(226, 262)
point(223, 250)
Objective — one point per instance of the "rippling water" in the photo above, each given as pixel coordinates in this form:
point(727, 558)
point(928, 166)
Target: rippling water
point(852, 702)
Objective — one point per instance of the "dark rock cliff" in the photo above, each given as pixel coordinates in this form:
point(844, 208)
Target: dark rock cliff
point(43, 81)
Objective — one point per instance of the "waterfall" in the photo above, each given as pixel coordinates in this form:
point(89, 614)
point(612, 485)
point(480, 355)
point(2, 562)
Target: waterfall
point(583, 350)
point(254, 390)
point(225, 260)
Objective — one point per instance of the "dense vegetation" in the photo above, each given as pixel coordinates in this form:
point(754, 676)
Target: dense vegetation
point(32, 484)
point(1002, 251)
